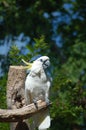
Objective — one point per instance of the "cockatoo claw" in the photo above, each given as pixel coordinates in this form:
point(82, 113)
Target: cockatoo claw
point(47, 101)
point(35, 103)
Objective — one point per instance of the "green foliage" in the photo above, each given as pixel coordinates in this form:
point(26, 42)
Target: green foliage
point(4, 126)
point(76, 63)
point(68, 101)
point(69, 91)
point(3, 82)
point(14, 55)
point(40, 47)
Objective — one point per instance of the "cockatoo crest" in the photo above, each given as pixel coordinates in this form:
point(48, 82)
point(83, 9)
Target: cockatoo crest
point(29, 65)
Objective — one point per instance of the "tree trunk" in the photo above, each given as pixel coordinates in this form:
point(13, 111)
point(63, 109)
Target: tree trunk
point(15, 92)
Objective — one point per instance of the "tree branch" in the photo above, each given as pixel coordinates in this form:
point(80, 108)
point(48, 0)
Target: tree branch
point(16, 115)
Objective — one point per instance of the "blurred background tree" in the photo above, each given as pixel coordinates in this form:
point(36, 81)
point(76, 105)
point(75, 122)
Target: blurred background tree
point(55, 28)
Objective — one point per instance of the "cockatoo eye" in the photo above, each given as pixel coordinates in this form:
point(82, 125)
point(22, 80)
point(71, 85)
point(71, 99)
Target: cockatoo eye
point(41, 60)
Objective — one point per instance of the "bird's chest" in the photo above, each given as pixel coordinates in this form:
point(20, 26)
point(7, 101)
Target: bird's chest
point(37, 82)
point(40, 77)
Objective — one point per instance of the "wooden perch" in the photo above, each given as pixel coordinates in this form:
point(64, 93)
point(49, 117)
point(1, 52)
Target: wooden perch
point(17, 115)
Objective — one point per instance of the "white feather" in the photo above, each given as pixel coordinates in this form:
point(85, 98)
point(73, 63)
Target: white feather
point(45, 124)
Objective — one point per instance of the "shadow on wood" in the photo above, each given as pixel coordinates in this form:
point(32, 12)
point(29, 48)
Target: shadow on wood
point(22, 126)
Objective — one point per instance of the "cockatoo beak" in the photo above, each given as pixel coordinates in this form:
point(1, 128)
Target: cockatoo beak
point(29, 65)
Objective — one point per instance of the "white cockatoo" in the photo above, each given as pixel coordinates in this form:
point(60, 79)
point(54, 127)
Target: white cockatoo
point(37, 85)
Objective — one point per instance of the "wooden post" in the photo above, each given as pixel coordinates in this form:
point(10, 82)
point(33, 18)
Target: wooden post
point(15, 94)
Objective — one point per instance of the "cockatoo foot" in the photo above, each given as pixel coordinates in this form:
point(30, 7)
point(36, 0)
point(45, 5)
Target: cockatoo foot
point(35, 103)
point(47, 101)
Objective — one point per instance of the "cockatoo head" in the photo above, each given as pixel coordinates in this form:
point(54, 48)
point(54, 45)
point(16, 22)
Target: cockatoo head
point(44, 60)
